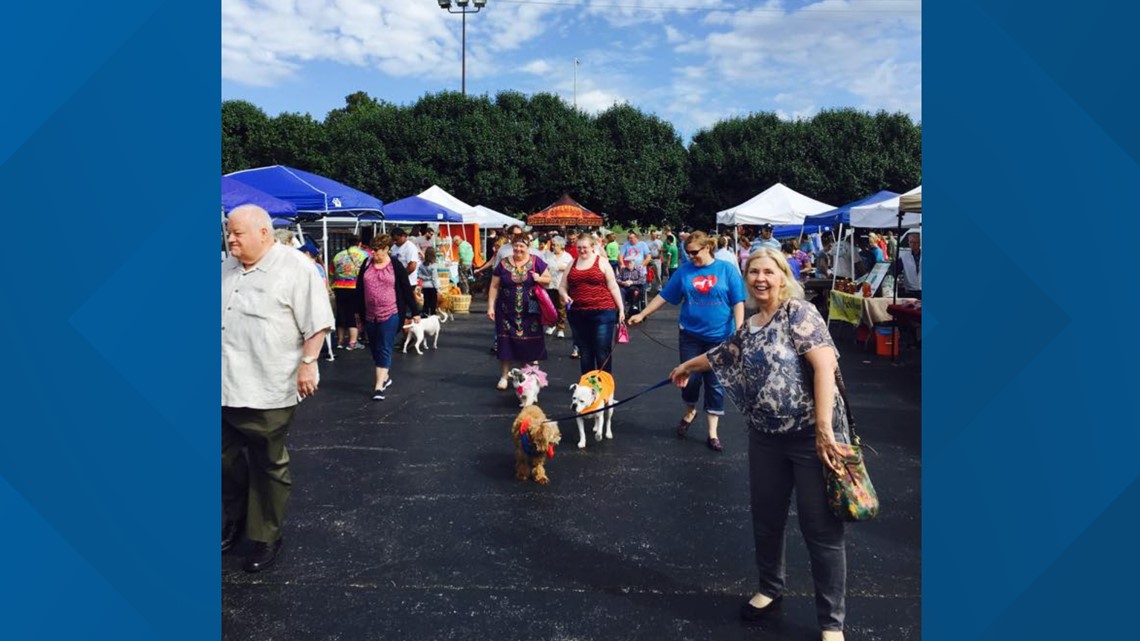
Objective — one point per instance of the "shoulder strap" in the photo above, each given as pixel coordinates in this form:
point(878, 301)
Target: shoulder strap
point(840, 387)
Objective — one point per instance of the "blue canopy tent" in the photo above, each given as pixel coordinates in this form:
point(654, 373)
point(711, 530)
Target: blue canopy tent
point(311, 194)
point(236, 193)
point(841, 216)
point(781, 232)
point(414, 209)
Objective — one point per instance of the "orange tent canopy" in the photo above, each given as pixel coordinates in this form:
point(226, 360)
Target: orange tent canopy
point(564, 211)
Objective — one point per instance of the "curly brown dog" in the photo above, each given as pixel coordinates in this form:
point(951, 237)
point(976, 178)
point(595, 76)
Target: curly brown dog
point(535, 438)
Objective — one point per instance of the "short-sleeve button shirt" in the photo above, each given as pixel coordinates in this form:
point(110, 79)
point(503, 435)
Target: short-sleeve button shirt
point(267, 313)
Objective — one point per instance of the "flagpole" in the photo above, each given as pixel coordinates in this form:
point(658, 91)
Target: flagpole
point(575, 83)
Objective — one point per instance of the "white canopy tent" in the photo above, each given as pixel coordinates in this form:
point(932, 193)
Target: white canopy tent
point(480, 215)
point(776, 205)
point(439, 196)
point(885, 214)
point(489, 218)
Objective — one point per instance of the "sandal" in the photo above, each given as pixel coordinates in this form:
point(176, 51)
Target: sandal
point(683, 427)
point(714, 445)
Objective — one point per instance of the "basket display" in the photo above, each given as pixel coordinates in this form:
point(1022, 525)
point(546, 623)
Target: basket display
point(461, 303)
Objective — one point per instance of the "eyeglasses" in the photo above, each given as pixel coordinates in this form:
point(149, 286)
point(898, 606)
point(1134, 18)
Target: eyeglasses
point(693, 252)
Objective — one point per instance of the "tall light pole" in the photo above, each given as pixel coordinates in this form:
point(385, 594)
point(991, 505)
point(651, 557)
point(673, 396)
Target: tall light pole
point(463, 7)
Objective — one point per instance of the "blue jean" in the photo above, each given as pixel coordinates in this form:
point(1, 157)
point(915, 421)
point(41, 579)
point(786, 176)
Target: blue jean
point(594, 336)
point(692, 346)
point(381, 338)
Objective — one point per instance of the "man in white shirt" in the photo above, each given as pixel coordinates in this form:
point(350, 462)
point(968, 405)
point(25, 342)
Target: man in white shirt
point(406, 252)
point(911, 262)
point(275, 314)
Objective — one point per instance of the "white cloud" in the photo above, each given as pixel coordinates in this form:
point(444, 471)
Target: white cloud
point(598, 100)
point(625, 13)
point(538, 68)
point(827, 51)
point(692, 68)
point(266, 41)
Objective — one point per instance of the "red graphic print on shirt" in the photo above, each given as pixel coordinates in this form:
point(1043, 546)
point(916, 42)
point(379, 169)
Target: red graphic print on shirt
point(704, 284)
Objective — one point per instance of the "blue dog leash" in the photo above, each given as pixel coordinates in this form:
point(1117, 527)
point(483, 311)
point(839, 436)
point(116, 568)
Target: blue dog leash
point(662, 383)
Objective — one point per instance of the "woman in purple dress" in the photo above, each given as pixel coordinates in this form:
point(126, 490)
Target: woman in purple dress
point(510, 303)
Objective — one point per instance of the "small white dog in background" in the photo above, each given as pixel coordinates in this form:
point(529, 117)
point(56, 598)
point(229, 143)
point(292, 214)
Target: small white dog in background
point(429, 326)
point(527, 383)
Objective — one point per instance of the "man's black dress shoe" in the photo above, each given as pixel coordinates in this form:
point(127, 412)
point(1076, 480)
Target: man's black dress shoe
point(749, 612)
point(262, 556)
point(231, 532)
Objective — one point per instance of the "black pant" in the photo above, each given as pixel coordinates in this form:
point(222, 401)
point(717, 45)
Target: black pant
point(431, 301)
point(777, 464)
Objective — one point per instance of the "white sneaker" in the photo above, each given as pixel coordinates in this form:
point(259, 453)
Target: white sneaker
point(549, 331)
point(561, 334)
point(501, 385)
point(832, 635)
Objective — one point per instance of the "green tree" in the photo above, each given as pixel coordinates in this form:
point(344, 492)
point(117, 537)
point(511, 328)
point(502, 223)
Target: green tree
point(244, 135)
point(645, 167)
point(298, 141)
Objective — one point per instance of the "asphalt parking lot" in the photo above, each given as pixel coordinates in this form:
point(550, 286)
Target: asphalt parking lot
point(406, 521)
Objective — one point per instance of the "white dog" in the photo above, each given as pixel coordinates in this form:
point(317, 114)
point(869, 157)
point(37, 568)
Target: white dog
point(527, 383)
point(595, 390)
point(426, 327)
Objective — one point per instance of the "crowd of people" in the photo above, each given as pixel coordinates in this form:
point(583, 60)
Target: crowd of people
point(779, 366)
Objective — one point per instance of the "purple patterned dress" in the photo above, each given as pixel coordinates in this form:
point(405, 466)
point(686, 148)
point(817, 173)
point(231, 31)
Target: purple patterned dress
point(518, 332)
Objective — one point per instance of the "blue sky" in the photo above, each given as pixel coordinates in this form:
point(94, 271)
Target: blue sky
point(690, 62)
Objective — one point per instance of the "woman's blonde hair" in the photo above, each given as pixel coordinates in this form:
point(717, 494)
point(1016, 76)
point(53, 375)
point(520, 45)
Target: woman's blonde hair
point(791, 287)
point(702, 239)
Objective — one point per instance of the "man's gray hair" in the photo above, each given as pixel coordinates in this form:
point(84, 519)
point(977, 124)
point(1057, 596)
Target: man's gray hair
point(257, 216)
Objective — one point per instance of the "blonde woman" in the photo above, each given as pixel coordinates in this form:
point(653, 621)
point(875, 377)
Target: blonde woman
point(711, 295)
point(595, 306)
point(781, 369)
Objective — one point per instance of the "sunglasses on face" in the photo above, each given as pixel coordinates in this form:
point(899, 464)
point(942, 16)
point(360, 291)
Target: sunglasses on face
point(693, 252)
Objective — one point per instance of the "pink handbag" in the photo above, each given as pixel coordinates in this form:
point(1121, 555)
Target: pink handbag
point(623, 334)
point(546, 309)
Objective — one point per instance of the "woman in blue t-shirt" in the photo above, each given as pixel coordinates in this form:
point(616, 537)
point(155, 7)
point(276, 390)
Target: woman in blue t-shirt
point(711, 295)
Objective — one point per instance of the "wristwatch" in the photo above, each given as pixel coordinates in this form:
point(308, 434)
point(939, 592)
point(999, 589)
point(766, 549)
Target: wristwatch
point(308, 360)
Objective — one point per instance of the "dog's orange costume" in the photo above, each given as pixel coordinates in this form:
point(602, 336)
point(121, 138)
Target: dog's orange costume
point(602, 382)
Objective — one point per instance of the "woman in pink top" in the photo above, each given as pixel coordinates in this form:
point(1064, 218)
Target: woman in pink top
point(386, 300)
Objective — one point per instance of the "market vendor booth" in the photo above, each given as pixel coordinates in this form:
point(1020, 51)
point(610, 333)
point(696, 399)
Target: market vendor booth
point(564, 212)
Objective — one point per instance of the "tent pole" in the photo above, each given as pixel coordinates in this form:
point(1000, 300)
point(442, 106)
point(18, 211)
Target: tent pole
point(325, 236)
point(836, 261)
point(895, 295)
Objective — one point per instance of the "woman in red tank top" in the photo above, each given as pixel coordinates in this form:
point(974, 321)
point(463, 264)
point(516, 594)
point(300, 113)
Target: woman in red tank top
point(594, 305)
